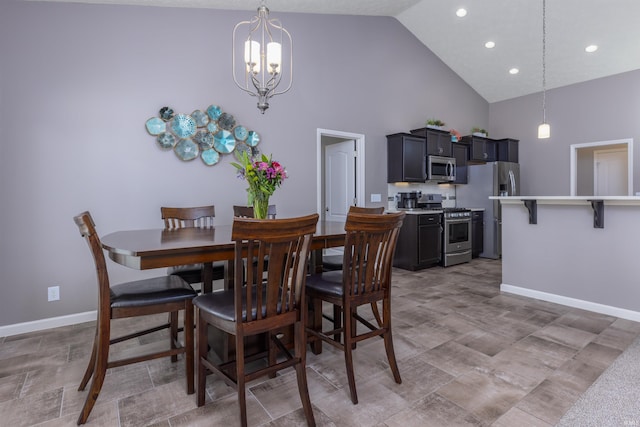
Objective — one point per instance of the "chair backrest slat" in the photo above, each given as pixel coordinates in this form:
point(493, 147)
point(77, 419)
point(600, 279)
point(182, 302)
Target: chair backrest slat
point(189, 217)
point(369, 248)
point(285, 243)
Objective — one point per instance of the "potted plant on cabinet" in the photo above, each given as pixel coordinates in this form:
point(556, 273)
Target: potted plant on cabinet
point(435, 124)
point(476, 131)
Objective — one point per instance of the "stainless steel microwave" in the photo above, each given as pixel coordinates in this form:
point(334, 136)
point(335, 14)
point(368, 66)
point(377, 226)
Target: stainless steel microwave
point(441, 169)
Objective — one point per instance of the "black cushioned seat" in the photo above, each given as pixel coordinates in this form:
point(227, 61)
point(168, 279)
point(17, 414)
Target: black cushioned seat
point(157, 290)
point(221, 304)
point(332, 262)
point(330, 282)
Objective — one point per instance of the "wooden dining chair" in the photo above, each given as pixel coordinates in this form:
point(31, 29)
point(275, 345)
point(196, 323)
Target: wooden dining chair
point(334, 263)
point(165, 294)
point(260, 306)
point(247, 211)
point(185, 217)
point(365, 279)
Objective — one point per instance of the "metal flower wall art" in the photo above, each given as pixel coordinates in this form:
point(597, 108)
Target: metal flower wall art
point(207, 134)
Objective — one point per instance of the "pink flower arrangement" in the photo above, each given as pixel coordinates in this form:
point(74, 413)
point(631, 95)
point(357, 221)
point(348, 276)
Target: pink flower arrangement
point(263, 174)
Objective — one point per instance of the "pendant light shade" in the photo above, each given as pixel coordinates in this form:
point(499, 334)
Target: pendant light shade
point(544, 130)
point(262, 54)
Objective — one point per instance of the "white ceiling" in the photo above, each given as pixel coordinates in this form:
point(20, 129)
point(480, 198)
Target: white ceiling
point(514, 25)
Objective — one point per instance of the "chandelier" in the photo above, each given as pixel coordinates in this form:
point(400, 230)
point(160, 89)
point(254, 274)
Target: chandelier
point(262, 44)
point(544, 130)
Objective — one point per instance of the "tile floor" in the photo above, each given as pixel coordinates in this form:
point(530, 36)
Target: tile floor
point(468, 355)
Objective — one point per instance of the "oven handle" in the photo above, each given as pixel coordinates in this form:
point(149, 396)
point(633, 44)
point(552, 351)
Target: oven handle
point(460, 253)
point(456, 220)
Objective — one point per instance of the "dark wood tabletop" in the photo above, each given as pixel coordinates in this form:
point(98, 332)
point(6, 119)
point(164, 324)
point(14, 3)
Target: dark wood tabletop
point(156, 248)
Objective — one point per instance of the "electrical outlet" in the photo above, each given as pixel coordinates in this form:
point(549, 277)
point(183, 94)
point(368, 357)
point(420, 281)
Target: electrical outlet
point(53, 293)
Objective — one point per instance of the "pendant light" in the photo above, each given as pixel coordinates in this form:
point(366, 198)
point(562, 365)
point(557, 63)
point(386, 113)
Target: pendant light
point(544, 130)
point(262, 53)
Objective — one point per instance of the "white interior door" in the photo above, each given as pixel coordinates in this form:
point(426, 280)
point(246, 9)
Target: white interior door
point(339, 177)
point(610, 173)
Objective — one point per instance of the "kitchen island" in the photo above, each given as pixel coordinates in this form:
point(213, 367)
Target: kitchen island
point(578, 251)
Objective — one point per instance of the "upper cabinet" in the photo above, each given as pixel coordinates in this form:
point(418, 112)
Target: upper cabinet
point(507, 150)
point(438, 141)
point(406, 158)
point(481, 149)
point(407, 153)
point(461, 154)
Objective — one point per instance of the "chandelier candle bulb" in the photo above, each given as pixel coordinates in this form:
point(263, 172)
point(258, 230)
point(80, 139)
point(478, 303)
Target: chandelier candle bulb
point(252, 56)
point(274, 57)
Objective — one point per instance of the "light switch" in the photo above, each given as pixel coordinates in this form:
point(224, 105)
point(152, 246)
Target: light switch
point(376, 197)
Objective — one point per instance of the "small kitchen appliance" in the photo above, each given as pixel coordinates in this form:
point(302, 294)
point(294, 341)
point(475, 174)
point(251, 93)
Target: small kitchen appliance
point(408, 200)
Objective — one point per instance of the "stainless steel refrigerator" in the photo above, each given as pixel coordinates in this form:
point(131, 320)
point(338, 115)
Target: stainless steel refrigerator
point(490, 179)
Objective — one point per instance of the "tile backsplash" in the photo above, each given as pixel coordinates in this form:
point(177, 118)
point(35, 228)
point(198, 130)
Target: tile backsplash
point(448, 192)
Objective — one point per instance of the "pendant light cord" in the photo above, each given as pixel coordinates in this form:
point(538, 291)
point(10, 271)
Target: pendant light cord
point(544, 63)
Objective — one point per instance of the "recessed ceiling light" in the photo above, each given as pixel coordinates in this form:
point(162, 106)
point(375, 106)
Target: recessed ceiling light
point(461, 13)
point(490, 45)
point(514, 71)
point(591, 48)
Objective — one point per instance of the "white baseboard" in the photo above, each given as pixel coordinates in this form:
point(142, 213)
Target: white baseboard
point(622, 313)
point(52, 322)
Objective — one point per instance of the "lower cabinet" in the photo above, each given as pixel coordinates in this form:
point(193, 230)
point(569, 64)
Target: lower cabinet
point(477, 233)
point(419, 242)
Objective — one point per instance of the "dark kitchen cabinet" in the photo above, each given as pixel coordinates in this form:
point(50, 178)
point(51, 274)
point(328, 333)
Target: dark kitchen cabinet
point(461, 154)
point(419, 242)
point(406, 158)
point(438, 141)
point(507, 150)
point(481, 149)
point(477, 233)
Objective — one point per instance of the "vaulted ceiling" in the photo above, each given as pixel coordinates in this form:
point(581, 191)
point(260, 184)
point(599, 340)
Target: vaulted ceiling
point(515, 26)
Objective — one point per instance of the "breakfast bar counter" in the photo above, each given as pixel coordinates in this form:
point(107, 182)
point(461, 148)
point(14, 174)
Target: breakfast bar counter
point(578, 251)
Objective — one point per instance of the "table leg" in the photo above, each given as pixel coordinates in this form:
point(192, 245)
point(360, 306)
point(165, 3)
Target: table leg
point(207, 277)
point(316, 262)
point(229, 272)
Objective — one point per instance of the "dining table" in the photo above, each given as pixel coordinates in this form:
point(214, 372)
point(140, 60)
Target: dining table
point(145, 249)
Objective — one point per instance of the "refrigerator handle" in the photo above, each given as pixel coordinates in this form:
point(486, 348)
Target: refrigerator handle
point(512, 178)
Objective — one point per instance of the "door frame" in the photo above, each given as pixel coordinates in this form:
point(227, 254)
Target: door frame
point(574, 161)
point(360, 168)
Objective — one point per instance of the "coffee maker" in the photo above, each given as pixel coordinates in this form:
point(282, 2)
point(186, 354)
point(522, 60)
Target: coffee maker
point(408, 200)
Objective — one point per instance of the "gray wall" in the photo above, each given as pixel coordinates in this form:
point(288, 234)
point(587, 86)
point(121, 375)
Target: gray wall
point(78, 82)
point(604, 109)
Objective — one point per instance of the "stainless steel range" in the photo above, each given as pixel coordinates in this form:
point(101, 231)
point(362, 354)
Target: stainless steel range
point(456, 238)
point(456, 235)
